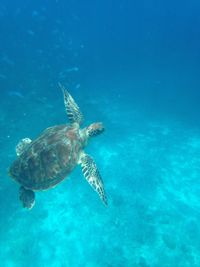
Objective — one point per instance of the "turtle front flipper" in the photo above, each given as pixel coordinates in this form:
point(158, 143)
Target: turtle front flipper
point(22, 145)
point(73, 112)
point(92, 175)
point(27, 197)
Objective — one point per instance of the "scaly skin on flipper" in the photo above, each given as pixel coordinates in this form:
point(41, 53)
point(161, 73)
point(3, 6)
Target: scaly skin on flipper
point(22, 145)
point(93, 176)
point(73, 112)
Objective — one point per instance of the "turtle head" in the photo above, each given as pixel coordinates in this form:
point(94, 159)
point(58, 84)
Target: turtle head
point(95, 129)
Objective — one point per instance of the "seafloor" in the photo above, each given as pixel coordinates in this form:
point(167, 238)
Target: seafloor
point(150, 169)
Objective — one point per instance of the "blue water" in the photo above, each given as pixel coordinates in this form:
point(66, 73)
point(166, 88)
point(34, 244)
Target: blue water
point(135, 66)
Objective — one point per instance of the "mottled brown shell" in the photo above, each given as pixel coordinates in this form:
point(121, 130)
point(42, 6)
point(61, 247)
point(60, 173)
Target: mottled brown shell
point(48, 159)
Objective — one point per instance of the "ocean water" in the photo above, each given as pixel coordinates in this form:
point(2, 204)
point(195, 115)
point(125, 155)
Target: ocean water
point(134, 65)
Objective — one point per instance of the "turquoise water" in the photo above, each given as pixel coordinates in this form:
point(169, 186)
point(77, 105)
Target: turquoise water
point(135, 67)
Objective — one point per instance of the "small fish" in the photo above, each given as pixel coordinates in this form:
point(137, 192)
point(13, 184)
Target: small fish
point(3, 77)
point(7, 60)
point(15, 93)
point(30, 32)
point(35, 13)
point(63, 73)
point(72, 69)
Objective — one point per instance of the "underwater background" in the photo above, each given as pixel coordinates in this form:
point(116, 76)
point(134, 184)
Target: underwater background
point(135, 66)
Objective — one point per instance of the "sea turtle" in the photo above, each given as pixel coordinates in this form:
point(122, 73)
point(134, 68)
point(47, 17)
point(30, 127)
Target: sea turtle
point(46, 161)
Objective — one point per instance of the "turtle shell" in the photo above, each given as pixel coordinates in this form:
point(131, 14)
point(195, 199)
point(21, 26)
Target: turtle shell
point(49, 159)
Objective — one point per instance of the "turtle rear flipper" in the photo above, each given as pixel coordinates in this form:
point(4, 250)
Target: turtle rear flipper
point(92, 175)
point(73, 112)
point(27, 197)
